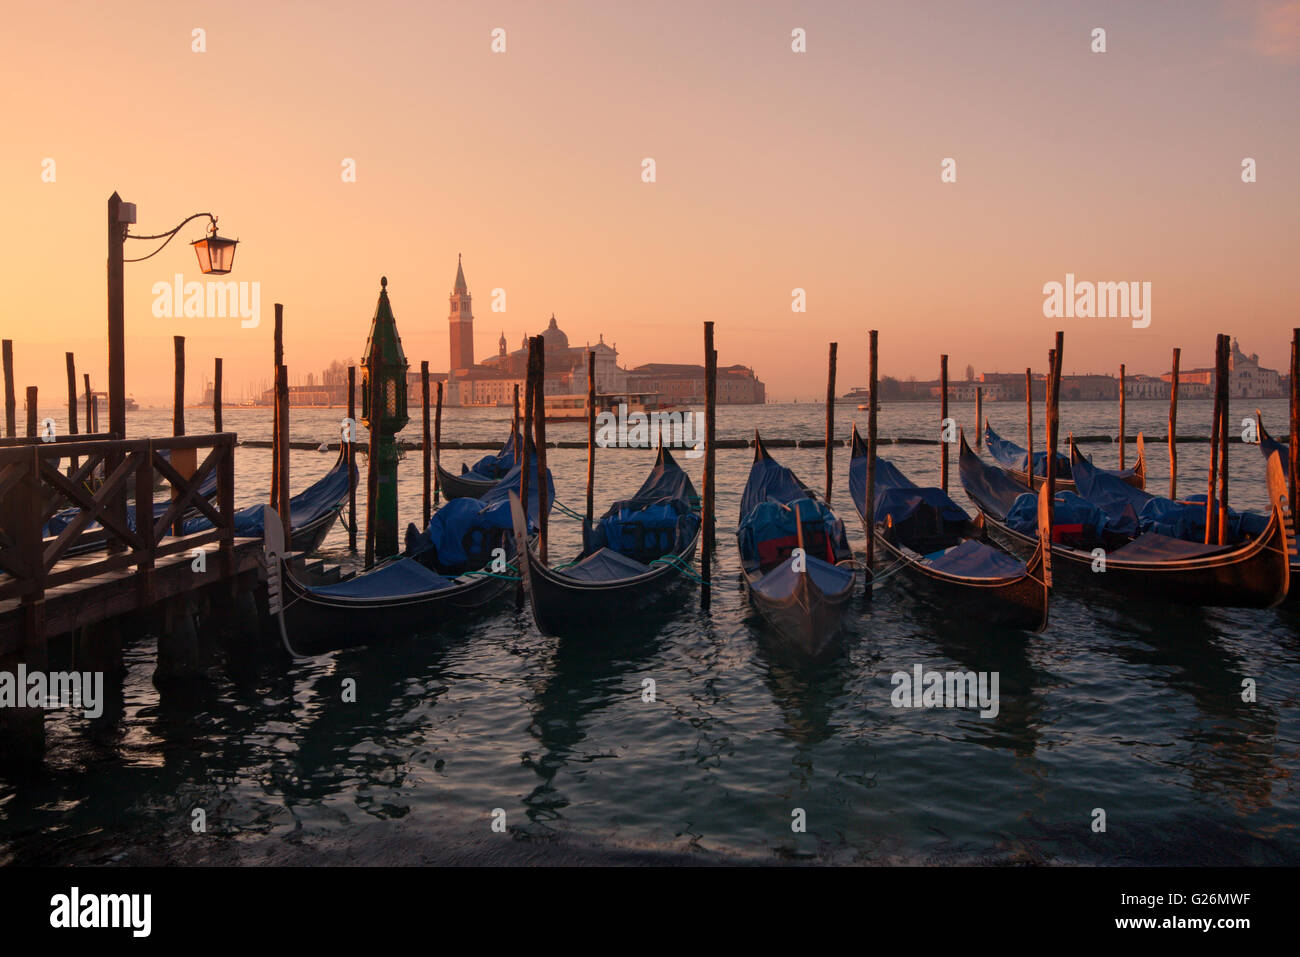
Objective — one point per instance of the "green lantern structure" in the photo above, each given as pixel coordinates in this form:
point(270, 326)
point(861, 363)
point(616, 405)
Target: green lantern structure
point(386, 363)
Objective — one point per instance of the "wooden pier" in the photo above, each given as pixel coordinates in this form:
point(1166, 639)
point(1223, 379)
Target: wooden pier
point(75, 559)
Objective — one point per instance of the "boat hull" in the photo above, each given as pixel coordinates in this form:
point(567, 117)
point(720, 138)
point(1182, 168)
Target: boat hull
point(565, 606)
point(1019, 603)
point(808, 620)
point(454, 486)
point(317, 623)
point(1253, 576)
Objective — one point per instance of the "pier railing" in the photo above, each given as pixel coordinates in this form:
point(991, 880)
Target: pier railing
point(34, 489)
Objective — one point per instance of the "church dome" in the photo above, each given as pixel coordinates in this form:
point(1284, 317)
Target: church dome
point(554, 337)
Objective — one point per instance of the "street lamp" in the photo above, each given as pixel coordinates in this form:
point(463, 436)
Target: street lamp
point(216, 257)
point(216, 254)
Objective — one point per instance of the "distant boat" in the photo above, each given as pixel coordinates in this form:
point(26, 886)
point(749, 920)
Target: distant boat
point(573, 407)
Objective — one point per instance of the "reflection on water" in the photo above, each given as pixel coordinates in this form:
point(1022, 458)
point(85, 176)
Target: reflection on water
point(1136, 710)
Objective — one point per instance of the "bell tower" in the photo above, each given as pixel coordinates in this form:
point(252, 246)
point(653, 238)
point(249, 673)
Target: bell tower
point(461, 322)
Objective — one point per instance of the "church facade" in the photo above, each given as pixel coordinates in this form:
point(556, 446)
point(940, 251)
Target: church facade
point(492, 381)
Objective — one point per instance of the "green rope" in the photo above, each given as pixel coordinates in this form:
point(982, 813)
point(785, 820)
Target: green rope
point(578, 516)
point(680, 565)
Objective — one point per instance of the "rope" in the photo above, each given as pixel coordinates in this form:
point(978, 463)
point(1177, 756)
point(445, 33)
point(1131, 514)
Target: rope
point(577, 516)
point(681, 566)
point(889, 571)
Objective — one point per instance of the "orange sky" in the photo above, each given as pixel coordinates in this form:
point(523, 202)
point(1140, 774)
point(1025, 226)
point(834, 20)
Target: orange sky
point(775, 170)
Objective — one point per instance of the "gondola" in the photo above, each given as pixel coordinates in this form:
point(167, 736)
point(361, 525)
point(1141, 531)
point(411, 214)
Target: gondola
point(461, 563)
point(486, 473)
point(636, 550)
point(1014, 460)
point(936, 540)
point(802, 595)
point(312, 511)
point(1152, 566)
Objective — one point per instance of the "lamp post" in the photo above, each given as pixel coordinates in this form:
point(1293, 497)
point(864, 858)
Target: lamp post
point(216, 257)
point(385, 365)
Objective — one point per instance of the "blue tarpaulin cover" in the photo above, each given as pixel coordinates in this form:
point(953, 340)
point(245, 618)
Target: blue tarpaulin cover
point(1070, 509)
point(476, 518)
point(495, 466)
point(660, 519)
point(782, 580)
point(972, 559)
point(770, 520)
point(1154, 547)
point(897, 496)
point(314, 502)
point(1012, 456)
point(990, 488)
point(605, 565)
point(1131, 511)
point(769, 480)
point(402, 577)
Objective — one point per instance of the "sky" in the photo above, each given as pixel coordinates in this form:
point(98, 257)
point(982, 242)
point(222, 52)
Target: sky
point(774, 170)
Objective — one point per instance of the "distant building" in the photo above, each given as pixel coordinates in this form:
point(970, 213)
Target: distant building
point(1145, 387)
point(1012, 385)
point(683, 384)
point(1089, 388)
point(1246, 378)
point(492, 381)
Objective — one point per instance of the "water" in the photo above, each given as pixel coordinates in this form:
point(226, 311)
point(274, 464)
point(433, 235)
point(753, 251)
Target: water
point(1133, 709)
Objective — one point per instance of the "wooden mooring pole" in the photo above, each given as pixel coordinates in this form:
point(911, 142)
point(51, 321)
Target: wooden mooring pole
point(282, 393)
point(979, 417)
point(591, 440)
point(870, 502)
point(1122, 433)
point(1222, 380)
point(216, 394)
point(277, 360)
point(1054, 425)
point(352, 458)
point(1294, 443)
point(943, 423)
point(539, 428)
point(706, 512)
point(72, 397)
point(426, 440)
point(830, 423)
point(1211, 508)
point(178, 386)
point(90, 422)
point(1173, 427)
point(11, 412)
point(1029, 422)
point(437, 443)
point(72, 405)
point(31, 412)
